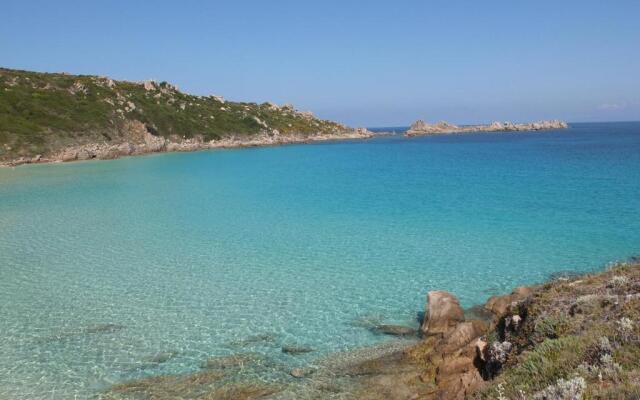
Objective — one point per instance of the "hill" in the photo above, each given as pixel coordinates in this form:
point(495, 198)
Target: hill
point(63, 117)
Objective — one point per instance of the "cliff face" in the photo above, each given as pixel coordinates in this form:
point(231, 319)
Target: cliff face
point(61, 117)
point(422, 128)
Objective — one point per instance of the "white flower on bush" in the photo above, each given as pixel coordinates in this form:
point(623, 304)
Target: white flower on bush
point(619, 281)
point(625, 328)
point(571, 389)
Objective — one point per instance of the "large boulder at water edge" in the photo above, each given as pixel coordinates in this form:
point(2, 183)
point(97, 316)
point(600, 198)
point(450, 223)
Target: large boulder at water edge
point(443, 313)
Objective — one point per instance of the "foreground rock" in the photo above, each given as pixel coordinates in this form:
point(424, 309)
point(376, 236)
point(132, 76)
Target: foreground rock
point(443, 313)
point(570, 339)
point(420, 127)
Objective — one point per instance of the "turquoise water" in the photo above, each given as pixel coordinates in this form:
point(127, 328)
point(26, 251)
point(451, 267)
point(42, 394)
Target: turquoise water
point(105, 263)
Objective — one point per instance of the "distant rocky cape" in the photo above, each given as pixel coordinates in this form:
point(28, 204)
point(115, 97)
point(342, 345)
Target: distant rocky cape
point(420, 127)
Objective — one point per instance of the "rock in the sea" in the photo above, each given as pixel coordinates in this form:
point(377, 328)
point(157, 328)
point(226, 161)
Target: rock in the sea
point(161, 357)
point(395, 330)
point(296, 349)
point(443, 313)
point(209, 385)
point(232, 361)
point(264, 338)
point(422, 128)
point(104, 328)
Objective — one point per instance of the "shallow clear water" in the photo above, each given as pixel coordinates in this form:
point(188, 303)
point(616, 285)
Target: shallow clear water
point(193, 253)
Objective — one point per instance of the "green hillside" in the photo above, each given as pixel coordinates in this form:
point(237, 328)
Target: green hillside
point(41, 113)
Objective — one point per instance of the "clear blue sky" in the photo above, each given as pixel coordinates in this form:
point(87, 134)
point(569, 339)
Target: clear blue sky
point(365, 63)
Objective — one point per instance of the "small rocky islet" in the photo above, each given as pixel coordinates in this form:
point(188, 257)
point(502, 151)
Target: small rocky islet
point(571, 338)
point(422, 128)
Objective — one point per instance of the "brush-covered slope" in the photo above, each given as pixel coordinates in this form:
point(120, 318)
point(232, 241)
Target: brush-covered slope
point(44, 113)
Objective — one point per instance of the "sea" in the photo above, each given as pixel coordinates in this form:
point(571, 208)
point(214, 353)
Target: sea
point(112, 271)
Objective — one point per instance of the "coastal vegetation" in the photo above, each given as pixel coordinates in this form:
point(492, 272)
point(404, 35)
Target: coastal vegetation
point(44, 115)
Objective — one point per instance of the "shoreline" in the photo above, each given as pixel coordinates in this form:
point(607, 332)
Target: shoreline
point(150, 144)
point(154, 144)
point(451, 358)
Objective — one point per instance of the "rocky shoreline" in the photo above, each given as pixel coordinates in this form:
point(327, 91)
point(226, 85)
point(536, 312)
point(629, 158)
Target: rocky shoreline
point(59, 117)
point(420, 128)
point(571, 338)
point(146, 143)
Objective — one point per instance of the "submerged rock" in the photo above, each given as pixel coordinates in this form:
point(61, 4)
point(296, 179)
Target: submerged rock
point(395, 330)
point(296, 349)
point(104, 328)
point(161, 357)
point(202, 385)
point(443, 313)
point(232, 361)
point(369, 321)
point(266, 338)
point(155, 360)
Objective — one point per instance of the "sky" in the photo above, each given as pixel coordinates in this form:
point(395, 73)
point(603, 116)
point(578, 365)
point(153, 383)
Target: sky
point(364, 63)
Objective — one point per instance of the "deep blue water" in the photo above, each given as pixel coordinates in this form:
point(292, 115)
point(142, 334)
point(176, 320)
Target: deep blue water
point(191, 252)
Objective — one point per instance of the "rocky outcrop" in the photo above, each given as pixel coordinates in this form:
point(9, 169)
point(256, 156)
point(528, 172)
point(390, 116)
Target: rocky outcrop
point(556, 341)
point(499, 305)
point(464, 333)
point(443, 313)
point(420, 127)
